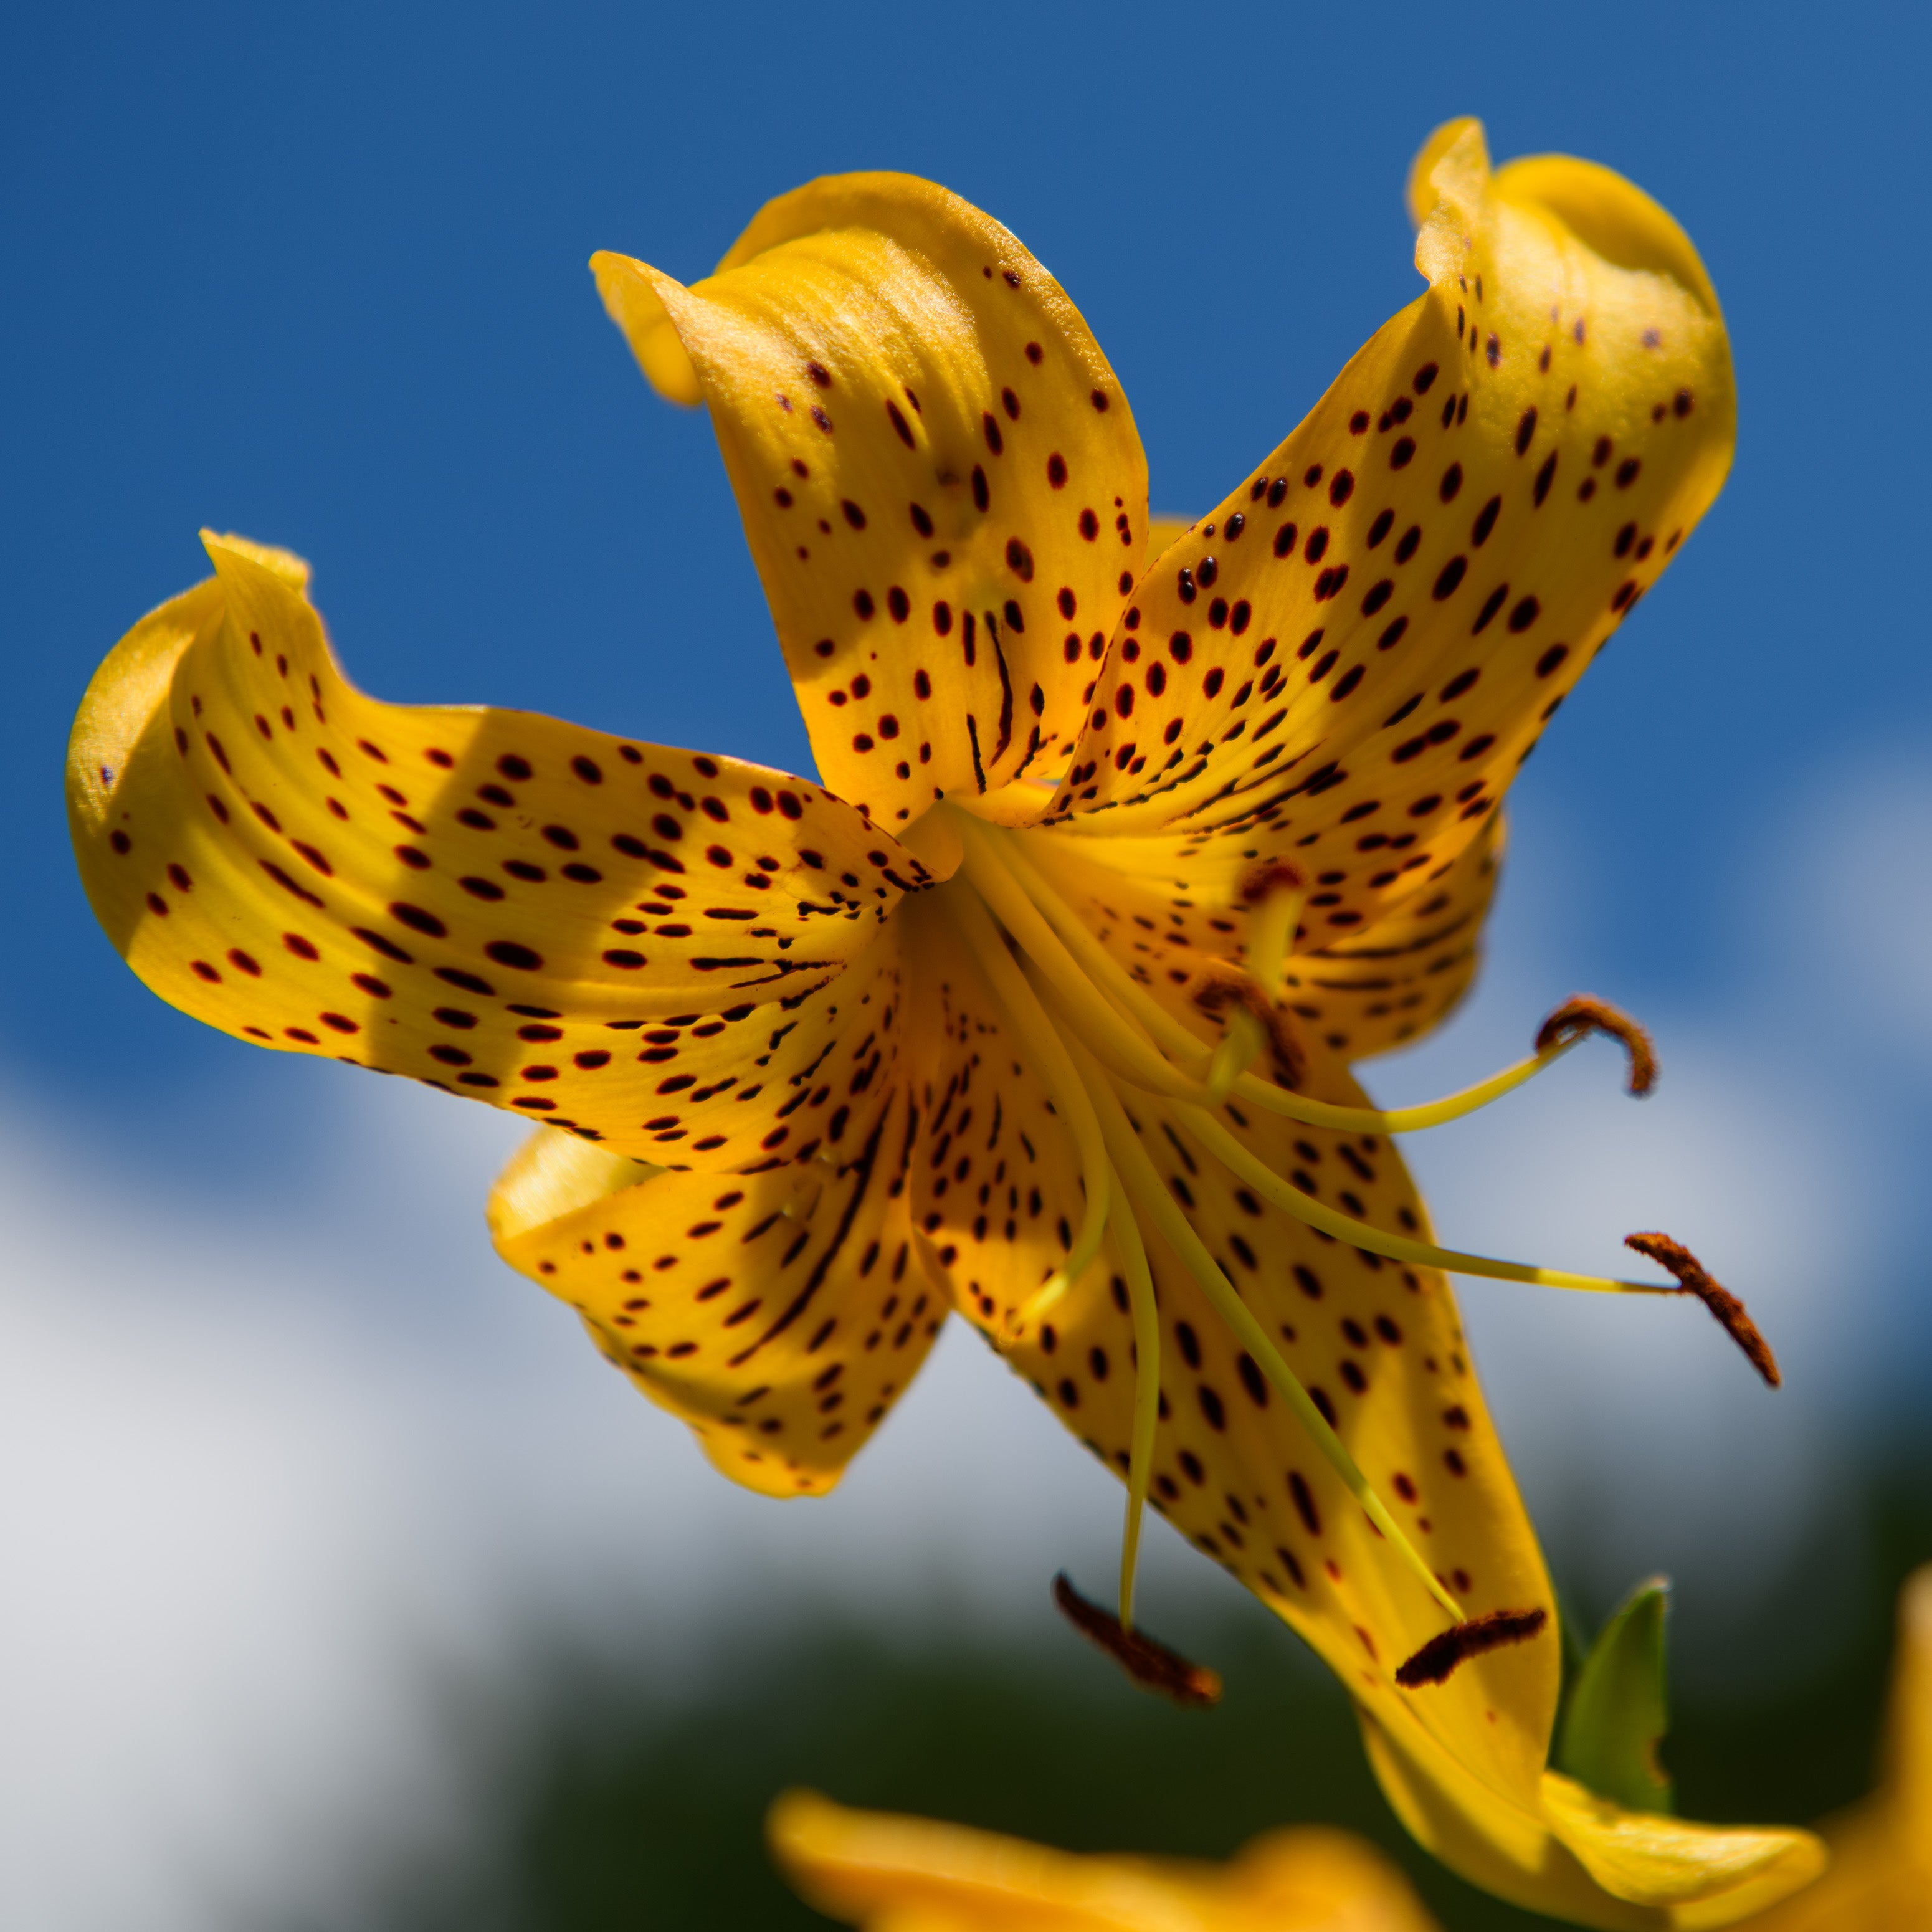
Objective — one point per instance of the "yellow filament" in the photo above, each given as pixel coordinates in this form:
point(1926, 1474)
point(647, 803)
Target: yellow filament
point(1048, 1054)
point(1075, 961)
point(1270, 933)
point(1143, 1186)
point(1147, 1385)
point(1234, 1054)
point(1216, 1141)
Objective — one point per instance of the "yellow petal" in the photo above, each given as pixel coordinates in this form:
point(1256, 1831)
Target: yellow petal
point(1880, 1879)
point(1163, 533)
point(1389, 984)
point(894, 1874)
point(779, 1314)
point(1371, 631)
point(938, 472)
point(1909, 1744)
point(1706, 1874)
point(1168, 903)
point(997, 1192)
point(1577, 1857)
point(662, 949)
point(1379, 1346)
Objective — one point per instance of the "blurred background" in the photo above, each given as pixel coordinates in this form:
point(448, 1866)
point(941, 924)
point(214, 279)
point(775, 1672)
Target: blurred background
point(343, 1586)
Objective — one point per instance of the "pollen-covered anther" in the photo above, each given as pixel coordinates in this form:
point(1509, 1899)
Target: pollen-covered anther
point(1719, 1299)
point(1218, 989)
point(1579, 1017)
point(1144, 1660)
point(1433, 1663)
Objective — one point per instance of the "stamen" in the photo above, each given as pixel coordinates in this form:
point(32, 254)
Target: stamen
point(1245, 1166)
point(1147, 1383)
point(1143, 1186)
point(1718, 1299)
point(1143, 1659)
point(1440, 1655)
point(1275, 892)
point(1580, 1016)
point(1692, 1279)
point(1234, 1054)
point(1077, 965)
point(1048, 1055)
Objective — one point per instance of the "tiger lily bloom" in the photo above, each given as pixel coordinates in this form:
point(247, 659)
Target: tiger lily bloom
point(1039, 1006)
point(898, 1874)
point(1881, 1875)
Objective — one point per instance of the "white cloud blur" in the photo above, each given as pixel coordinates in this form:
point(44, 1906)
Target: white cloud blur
point(271, 1484)
point(270, 1479)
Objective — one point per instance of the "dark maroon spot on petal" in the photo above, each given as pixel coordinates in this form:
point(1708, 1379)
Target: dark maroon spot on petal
point(415, 917)
point(510, 952)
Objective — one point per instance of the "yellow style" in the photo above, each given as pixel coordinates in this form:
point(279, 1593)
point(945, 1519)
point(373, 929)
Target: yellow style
point(1040, 1007)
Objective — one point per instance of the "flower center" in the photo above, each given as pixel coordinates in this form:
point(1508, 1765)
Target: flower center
point(1097, 1038)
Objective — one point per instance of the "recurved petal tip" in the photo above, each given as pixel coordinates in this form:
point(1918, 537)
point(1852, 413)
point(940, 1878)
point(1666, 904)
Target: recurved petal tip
point(632, 300)
point(1421, 193)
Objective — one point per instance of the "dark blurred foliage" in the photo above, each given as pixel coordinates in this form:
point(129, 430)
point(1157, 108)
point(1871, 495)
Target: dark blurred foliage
point(624, 1812)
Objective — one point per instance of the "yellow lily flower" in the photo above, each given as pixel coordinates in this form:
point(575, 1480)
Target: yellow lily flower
point(971, 1025)
point(896, 1874)
point(1881, 1875)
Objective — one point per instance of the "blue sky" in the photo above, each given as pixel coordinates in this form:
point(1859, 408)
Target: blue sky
point(318, 275)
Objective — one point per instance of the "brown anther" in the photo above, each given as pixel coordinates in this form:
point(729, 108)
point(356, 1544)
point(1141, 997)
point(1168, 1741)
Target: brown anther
point(1220, 987)
point(1271, 875)
point(1144, 1660)
point(1440, 1655)
point(1719, 1299)
point(1582, 1015)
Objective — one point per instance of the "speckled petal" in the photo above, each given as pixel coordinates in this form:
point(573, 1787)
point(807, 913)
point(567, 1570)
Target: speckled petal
point(939, 475)
point(1390, 984)
point(1380, 1349)
point(900, 1874)
point(1168, 906)
point(685, 956)
point(779, 1314)
point(997, 1191)
point(998, 1194)
point(1371, 632)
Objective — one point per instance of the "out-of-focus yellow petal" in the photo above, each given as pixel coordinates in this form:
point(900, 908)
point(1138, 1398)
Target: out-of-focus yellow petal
point(1578, 1857)
point(779, 1314)
point(1908, 1746)
point(680, 955)
point(1704, 1874)
point(938, 472)
point(1163, 533)
point(1880, 1880)
point(1372, 630)
point(891, 1873)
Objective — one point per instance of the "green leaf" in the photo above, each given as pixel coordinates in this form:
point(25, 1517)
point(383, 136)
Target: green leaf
point(1618, 1713)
